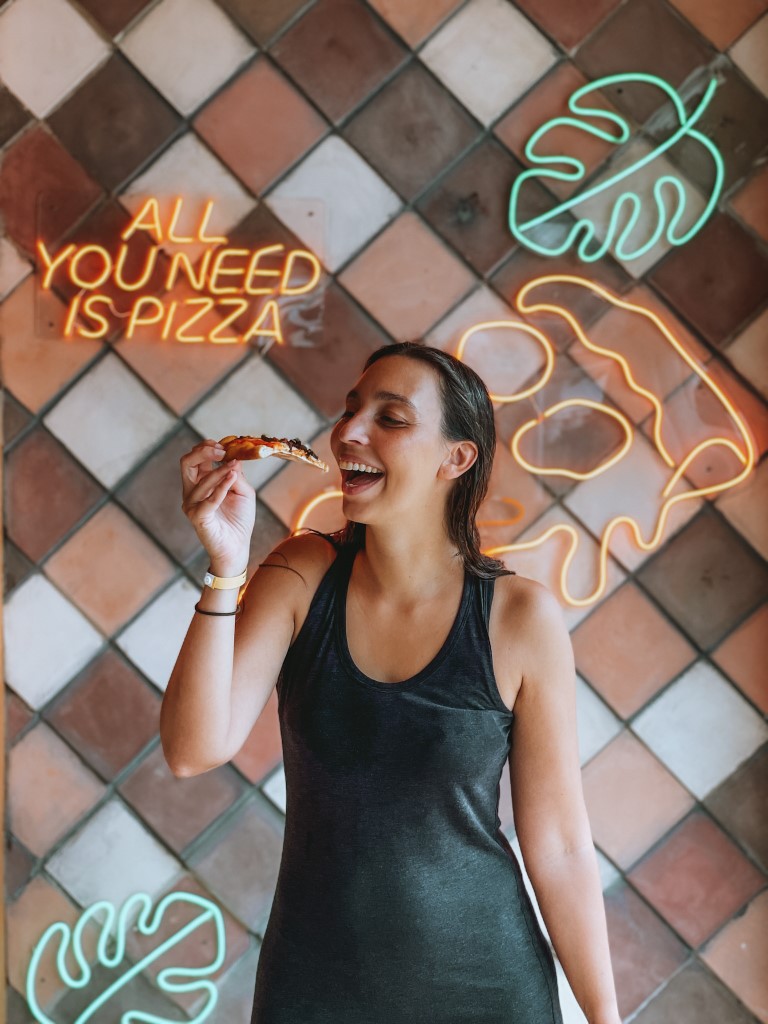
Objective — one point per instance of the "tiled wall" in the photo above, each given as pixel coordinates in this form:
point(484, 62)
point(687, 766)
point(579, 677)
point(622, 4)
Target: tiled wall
point(404, 123)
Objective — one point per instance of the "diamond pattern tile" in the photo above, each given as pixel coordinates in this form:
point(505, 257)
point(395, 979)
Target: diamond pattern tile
point(488, 54)
point(47, 34)
point(384, 135)
point(187, 49)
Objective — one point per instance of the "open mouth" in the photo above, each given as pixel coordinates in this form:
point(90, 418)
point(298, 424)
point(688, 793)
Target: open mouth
point(353, 481)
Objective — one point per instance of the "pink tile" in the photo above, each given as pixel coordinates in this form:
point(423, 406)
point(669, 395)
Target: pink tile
point(260, 125)
point(414, 21)
point(407, 278)
point(631, 798)
point(739, 955)
point(743, 656)
point(697, 878)
point(722, 23)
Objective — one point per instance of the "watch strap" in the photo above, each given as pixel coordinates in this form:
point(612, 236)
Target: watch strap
point(224, 582)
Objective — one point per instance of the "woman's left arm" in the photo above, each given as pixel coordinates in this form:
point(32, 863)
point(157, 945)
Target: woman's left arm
point(548, 805)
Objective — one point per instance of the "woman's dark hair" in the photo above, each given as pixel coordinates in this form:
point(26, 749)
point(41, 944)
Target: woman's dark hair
point(467, 415)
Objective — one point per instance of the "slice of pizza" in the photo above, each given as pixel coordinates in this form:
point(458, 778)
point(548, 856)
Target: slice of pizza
point(248, 446)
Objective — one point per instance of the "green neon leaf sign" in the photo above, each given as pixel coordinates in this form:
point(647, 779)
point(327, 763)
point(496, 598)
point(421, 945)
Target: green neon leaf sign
point(73, 937)
point(628, 201)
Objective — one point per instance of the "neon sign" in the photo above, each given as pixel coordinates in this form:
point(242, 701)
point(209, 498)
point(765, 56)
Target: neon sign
point(239, 285)
point(147, 925)
point(744, 451)
point(628, 202)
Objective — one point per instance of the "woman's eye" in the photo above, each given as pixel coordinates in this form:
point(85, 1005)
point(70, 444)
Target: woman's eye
point(388, 418)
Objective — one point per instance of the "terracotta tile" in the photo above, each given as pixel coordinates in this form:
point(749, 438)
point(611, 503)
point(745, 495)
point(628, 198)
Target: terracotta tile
point(16, 567)
point(468, 206)
point(13, 115)
point(136, 996)
point(631, 798)
point(694, 996)
point(567, 23)
point(187, 49)
point(744, 507)
point(287, 125)
point(739, 955)
point(697, 878)
point(749, 54)
point(325, 371)
point(114, 122)
point(735, 120)
point(612, 646)
point(628, 39)
point(721, 23)
point(39, 905)
point(239, 861)
point(262, 752)
point(743, 656)
point(406, 278)
point(414, 22)
point(411, 130)
point(707, 578)
point(156, 505)
point(18, 867)
point(108, 714)
point(739, 803)
point(488, 54)
point(17, 716)
point(546, 100)
point(644, 952)
point(716, 304)
point(750, 203)
point(116, 15)
point(194, 950)
point(338, 52)
point(110, 568)
point(265, 19)
point(36, 362)
point(523, 266)
point(49, 789)
point(43, 190)
point(48, 493)
point(179, 810)
point(15, 418)
point(68, 48)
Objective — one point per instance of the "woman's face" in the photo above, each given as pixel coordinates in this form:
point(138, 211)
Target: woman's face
point(399, 438)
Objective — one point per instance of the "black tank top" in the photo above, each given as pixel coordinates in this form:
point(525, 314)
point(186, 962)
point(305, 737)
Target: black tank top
point(398, 900)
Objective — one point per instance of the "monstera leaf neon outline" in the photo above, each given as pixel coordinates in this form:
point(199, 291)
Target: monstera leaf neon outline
point(747, 457)
point(627, 200)
point(148, 927)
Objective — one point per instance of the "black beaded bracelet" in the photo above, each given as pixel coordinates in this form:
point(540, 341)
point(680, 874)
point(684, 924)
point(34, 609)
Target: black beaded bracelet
point(204, 612)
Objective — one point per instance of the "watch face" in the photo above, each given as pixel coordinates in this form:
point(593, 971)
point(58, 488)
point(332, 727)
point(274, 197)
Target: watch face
point(208, 578)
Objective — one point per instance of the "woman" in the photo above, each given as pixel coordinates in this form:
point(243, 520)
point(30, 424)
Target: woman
point(402, 658)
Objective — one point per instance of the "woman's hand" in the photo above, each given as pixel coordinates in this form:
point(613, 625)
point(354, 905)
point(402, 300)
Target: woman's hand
point(220, 504)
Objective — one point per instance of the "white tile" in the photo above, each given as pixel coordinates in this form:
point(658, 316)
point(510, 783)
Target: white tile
point(597, 724)
point(745, 507)
point(35, 670)
point(154, 639)
point(112, 857)
point(46, 50)
point(109, 420)
point(507, 358)
point(750, 54)
point(701, 728)
point(599, 209)
point(187, 48)
point(543, 560)
point(255, 399)
point(189, 170)
point(335, 188)
point(631, 487)
point(489, 54)
point(274, 788)
point(747, 353)
point(13, 268)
